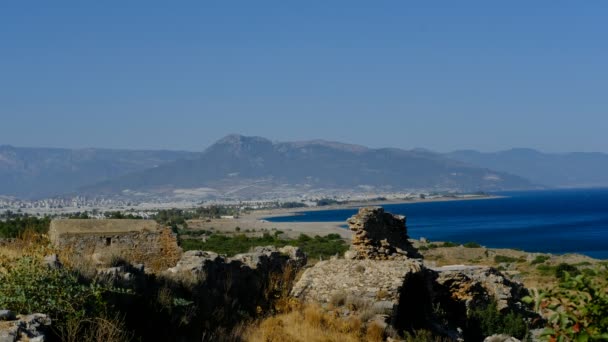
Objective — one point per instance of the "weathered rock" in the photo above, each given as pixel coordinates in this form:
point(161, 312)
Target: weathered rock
point(7, 315)
point(52, 261)
point(265, 259)
point(297, 257)
point(125, 276)
point(223, 289)
point(379, 236)
point(30, 328)
point(500, 338)
point(474, 285)
point(377, 287)
point(195, 262)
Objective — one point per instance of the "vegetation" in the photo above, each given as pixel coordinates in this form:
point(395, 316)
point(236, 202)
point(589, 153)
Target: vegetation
point(77, 306)
point(15, 225)
point(327, 201)
point(540, 259)
point(506, 259)
point(564, 269)
point(121, 215)
point(486, 321)
point(577, 309)
point(472, 245)
point(315, 324)
point(291, 205)
point(315, 247)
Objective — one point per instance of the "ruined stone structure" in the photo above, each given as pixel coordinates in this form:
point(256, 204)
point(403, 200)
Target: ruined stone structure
point(139, 241)
point(376, 276)
point(382, 280)
point(379, 236)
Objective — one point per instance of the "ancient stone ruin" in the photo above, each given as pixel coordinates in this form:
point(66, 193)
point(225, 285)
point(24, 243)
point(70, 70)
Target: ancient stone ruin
point(379, 236)
point(382, 279)
point(379, 275)
point(138, 241)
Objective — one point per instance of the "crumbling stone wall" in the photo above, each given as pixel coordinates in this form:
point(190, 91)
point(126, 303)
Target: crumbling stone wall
point(379, 236)
point(156, 249)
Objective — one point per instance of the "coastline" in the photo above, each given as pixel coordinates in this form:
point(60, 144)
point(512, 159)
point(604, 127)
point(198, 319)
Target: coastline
point(269, 213)
point(256, 221)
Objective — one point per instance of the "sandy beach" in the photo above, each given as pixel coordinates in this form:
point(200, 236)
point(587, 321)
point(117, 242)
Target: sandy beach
point(255, 222)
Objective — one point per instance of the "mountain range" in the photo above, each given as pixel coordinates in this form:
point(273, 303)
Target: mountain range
point(247, 167)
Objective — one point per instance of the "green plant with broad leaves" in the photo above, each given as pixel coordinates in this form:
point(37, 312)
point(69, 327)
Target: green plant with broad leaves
point(28, 286)
point(576, 309)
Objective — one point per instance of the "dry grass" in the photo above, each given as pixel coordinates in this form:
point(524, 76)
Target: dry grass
point(522, 269)
point(313, 323)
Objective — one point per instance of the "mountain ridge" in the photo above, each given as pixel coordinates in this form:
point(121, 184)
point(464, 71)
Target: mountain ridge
point(263, 166)
point(316, 164)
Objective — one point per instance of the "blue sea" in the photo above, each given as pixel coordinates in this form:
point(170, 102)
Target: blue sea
point(553, 221)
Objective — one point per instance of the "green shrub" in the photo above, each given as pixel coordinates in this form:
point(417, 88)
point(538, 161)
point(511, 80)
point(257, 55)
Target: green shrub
point(316, 247)
point(577, 308)
point(15, 226)
point(472, 245)
point(503, 258)
point(563, 268)
point(28, 286)
point(540, 259)
point(449, 244)
point(486, 321)
point(546, 269)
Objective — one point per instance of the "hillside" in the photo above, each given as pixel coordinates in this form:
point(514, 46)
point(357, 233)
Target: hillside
point(42, 172)
point(551, 169)
point(249, 166)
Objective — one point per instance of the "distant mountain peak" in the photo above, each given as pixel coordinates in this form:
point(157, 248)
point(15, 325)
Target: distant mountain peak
point(239, 139)
point(238, 144)
point(331, 144)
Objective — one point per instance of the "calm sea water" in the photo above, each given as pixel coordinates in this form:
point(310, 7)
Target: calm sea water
point(556, 221)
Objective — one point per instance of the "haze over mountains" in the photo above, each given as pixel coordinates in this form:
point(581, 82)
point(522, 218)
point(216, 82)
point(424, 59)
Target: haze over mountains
point(245, 167)
point(550, 169)
point(40, 172)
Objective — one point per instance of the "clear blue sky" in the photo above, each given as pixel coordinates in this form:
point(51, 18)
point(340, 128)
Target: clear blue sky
point(443, 75)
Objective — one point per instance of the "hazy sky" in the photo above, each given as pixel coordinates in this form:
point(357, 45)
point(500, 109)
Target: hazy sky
point(444, 75)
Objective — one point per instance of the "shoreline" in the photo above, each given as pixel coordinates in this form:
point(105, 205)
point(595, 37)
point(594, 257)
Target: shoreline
point(280, 212)
point(256, 221)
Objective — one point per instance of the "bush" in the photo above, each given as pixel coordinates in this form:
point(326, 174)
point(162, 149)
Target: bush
point(28, 286)
point(317, 247)
point(577, 308)
point(486, 321)
point(540, 259)
point(503, 258)
point(449, 244)
point(563, 268)
point(472, 245)
point(15, 227)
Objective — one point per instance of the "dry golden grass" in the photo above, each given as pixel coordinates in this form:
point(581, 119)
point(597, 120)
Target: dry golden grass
point(522, 270)
point(28, 244)
point(312, 323)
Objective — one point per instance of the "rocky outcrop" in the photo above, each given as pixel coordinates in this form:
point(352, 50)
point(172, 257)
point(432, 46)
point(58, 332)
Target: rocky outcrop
point(199, 265)
point(363, 279)
point(477, 285)
point(379, 236)
point(30, 328)
point(376, 280)
point(368, 288)
point(381, 279)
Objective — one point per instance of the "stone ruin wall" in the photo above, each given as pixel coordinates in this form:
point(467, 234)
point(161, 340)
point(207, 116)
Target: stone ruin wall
point(378, 235)
point(156, 249)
